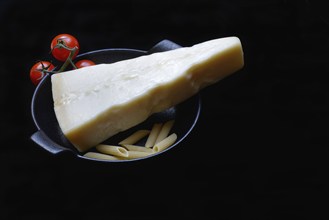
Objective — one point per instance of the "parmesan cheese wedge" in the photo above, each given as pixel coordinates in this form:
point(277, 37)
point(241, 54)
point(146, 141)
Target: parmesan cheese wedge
point(94, 103)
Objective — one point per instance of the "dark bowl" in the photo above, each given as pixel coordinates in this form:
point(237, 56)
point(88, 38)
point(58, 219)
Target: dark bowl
point(50, 137)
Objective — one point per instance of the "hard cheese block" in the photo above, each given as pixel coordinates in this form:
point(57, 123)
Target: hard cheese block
point(94, 103)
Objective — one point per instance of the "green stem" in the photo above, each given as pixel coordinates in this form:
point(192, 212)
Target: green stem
point(72, 63)
point(68, 60)
point(49, 71)
point(61, 44)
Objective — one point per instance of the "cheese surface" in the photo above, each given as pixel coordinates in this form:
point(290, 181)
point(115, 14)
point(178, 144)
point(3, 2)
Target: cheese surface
point(94, 103)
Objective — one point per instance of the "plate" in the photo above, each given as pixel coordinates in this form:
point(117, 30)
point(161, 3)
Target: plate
point(50, 137)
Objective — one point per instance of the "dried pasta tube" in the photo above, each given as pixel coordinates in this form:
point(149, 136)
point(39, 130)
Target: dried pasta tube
point(135, 137)
point(112, 150)
point(100, 156)
point(165, 131)
point(156, 128)
point(131, 147)
point(138, 154)
point(165, 143)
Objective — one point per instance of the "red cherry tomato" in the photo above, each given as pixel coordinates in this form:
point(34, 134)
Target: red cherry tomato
point(68, 41)
point(84, 63)
point(37, 71)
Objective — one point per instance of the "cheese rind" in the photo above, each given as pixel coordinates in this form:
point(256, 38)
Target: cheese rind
point(94, 103)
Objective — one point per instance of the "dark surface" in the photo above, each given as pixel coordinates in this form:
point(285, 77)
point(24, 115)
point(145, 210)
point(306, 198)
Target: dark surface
point(259, 150)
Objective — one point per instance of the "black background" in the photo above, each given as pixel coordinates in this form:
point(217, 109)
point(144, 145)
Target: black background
point(263, 133)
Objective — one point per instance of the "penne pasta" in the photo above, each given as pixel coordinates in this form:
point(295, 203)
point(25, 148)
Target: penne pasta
point(100, 156)
point(153, 135)
point(135, 137)
point(165, 143)
point(112, 150)
point(164, 131)
point(158, 139)
point(131, 147)
point(138, 154)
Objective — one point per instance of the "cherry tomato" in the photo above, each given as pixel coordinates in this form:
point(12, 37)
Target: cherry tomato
point(84, 63)
point(37, 71)
point(68, 41)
